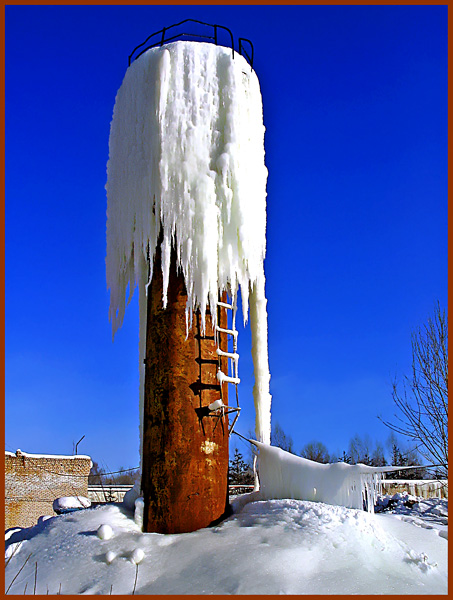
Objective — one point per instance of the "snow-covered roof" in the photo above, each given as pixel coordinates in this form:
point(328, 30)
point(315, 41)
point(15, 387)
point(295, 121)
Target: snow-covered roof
point(57, 456)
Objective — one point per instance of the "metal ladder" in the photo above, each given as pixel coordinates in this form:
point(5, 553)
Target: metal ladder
point(220, 407)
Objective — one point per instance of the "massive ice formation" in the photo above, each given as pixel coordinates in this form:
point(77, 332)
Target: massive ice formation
point(186, 159)
point(284, 475)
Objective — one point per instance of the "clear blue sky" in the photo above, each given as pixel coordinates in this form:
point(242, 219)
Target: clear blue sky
point(355, 109)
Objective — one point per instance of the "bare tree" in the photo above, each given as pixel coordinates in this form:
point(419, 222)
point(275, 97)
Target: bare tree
point(316, 451)
point(423, 403)
point(402, 455)
point(359, 449)
point(280, 439)
point(378, 456)
point(96, 474)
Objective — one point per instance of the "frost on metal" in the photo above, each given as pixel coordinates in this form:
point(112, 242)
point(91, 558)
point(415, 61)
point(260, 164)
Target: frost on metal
point(186, 162)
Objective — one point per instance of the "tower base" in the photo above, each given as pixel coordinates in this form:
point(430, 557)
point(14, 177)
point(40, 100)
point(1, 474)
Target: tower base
point(185, 447)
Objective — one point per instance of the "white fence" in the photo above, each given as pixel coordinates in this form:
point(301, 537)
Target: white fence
point(424, 488)
point(115, 493)
point(107, 493)
point(429, 488)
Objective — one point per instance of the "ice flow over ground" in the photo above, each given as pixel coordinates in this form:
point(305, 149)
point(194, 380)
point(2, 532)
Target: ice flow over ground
point(285, 475)
point(186, 171)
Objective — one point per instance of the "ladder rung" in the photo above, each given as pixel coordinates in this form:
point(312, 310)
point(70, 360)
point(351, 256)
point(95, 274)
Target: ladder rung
point(225, 305)
point(233, 355)
point(230, 331)
point(225, 378)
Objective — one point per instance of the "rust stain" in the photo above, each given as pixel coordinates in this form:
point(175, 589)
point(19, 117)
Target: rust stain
point(185, 451)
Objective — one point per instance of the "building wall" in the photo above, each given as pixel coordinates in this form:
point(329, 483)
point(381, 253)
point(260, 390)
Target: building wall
point(34, 481)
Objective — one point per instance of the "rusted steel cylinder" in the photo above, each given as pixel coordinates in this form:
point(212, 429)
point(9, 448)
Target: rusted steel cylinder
point(185, 447)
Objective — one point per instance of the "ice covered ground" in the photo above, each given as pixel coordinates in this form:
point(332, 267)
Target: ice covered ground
point(265, 547)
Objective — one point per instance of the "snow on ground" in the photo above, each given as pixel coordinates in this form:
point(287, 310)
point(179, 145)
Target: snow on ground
point(265, 547)
point(429, 513)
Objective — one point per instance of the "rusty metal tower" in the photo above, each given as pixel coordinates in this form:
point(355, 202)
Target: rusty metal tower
point(185, 422)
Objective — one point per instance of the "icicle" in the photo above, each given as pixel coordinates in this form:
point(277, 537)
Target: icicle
point(186, 157)
point(261, 395)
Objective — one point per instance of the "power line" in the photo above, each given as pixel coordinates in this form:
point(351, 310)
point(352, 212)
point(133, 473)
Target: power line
point(26, 499)
point(92, 475)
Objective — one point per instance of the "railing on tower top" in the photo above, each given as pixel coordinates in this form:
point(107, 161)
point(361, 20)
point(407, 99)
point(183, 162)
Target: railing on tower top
point(164, 39)
point(244, 53)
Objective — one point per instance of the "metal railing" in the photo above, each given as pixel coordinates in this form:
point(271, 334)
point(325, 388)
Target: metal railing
point(243, 51)
point(164, 39)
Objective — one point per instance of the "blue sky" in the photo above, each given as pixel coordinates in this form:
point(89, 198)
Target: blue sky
point(355, 109)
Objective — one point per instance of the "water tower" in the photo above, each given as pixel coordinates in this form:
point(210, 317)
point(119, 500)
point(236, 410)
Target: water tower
point(186, 223)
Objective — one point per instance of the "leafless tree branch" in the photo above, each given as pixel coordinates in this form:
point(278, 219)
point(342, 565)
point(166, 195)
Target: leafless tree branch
point(423, 402)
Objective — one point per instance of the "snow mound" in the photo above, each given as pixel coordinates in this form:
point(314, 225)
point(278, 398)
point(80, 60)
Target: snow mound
point(395, 501)
point(104, 532)
point(70, 503)
point(110, 557)
point(137, 556)
point(269, 547)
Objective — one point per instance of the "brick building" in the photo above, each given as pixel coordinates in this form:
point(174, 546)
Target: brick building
point(34, 481)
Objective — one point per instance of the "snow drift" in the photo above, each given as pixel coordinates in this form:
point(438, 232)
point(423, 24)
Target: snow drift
point(268, 547)
point(186, 171)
